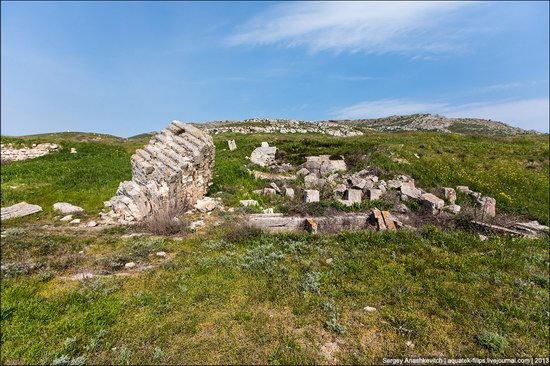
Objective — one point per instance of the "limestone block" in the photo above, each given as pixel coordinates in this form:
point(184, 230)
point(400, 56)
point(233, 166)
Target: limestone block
point(311, 195)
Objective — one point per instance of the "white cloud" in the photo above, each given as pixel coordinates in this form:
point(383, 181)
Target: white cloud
point(385, 108)
point(526, 114)
point(373, 27)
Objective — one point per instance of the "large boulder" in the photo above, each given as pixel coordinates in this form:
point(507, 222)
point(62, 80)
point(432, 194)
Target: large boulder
point(263, 155)
point(322, 165)
point(171, 173)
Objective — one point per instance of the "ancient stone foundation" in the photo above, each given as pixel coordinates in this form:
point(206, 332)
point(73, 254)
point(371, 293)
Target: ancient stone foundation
point(168, 175)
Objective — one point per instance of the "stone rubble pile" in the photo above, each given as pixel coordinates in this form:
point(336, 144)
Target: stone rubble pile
point(171, 173)
point(9, 152)
point(264, 155)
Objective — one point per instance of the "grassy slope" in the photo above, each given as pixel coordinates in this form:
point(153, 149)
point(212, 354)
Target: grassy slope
point(275, 299)
point(232, 296)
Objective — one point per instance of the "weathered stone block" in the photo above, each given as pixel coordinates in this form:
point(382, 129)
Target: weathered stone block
point(353, 195)
point(232, 145)
point(431, 202)
point(311, 195)
point(374, 194)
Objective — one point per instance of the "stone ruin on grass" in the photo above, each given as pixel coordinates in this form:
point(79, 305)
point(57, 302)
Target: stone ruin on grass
point(170, 174)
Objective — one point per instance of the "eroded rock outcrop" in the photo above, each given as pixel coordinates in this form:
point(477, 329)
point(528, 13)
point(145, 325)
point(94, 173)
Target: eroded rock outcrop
point(171, 173)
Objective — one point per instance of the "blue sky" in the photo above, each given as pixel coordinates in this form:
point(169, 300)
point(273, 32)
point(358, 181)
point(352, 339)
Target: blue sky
point(125, 68)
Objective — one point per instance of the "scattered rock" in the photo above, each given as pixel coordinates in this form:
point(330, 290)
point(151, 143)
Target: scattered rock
point(232, 145)
point(263, 155)
point(464, 189)
point(303, 172)
point(322, 165)
point(73, 150)
point(339, 190)
point(357, 182)
point(67, 208)
point(369, 309)
point(247, 203)
point(196, 224)
point(449, 194)
point(92, 224)
point(454, 209)
point(382, 219)
point(482, 237)
point(268, 210)
point(311, 195)
point(66, 218)
point(431, 203)
point(409, 190)
point(129, 265)
point(269, 192)
point(160, 254)
point(402, 208)
point(289, 192)
point(275, 187)
point(488, 206)
point(311, 226)
point(19, 210)
point(353, 195)
point(75, 221)
point(207, 204)
point(374, 194)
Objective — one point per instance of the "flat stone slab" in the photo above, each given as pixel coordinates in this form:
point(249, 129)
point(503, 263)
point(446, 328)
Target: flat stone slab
point(280, 223)
point(19, 210)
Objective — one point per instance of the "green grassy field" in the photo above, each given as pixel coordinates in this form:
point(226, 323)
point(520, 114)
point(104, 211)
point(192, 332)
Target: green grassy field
point(228, 294)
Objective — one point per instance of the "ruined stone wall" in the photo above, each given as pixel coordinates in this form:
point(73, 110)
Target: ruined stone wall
point(11, 153)
point(174, 170)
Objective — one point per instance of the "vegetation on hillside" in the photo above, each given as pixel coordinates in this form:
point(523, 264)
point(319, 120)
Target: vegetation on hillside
point(230, 294)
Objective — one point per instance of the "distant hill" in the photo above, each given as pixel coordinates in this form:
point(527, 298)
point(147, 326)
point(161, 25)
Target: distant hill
point(430, 122)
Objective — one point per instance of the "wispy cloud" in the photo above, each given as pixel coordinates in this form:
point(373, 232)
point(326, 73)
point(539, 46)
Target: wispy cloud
point(527, 113)
point(386, 107)
point(373, 27)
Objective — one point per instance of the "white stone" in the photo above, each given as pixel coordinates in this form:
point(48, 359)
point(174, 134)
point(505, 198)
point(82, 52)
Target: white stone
point(75, 221)
point(289, 192)
point(129, 265)
point(67, 208)
point(206, 204)
point(92, 224)
point(73, 150)
point(369, 309)
point(160, 254)
point(311, 195)
point(303, 172)
point(455, 209)
point(196, 224)
point(232, 145)
point(19, 210)
point(66, 218)
point(268, 210)
point(247, 203)
point(265, 144)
